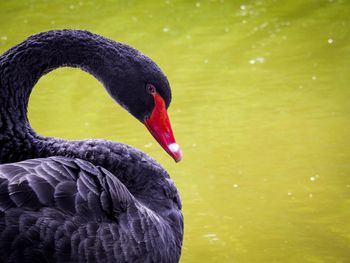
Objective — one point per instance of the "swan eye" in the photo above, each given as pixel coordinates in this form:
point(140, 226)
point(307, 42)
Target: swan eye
point(150, 89)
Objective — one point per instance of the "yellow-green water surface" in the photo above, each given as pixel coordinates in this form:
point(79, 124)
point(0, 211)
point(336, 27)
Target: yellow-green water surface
point(261, 107)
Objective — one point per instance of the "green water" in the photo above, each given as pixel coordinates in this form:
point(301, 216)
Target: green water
point(260, 107)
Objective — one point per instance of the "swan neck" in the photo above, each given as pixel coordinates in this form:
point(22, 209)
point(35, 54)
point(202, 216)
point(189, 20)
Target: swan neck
point(23, 65)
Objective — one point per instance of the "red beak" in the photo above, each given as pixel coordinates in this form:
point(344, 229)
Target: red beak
point(159, 126)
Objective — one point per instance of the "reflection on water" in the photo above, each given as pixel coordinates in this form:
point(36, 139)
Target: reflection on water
point(260, 108)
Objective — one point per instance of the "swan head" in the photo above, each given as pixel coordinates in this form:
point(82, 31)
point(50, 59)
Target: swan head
point(140, 87)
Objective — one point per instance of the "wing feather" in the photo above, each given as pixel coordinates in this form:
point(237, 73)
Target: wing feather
point(71, 210)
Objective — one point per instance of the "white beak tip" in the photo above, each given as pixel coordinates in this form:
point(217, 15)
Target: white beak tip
point(175, 151)
point(174, 147)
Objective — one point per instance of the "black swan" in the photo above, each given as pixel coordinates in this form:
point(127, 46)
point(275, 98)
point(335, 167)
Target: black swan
point(89, 200)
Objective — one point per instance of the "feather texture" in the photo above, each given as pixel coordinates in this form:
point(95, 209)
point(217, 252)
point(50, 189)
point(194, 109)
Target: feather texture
point(85, 215)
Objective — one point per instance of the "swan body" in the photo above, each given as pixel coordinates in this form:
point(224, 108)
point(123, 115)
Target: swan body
point(89, 200)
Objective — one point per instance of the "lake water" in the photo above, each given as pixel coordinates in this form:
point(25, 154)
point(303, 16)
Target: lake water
point(260, 107)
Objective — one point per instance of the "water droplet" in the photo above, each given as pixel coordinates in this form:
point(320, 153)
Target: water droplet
point(148, 145)
point(211, 236)
point(260, 59)
point(242, 7)
point(257, 60)
point(166, 29)
point(330, 41)
point(312, 178)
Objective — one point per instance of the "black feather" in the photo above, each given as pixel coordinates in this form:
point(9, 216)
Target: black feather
point(82, 201)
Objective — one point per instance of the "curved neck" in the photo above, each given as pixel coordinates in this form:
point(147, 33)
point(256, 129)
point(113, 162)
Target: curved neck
point(22, 66)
